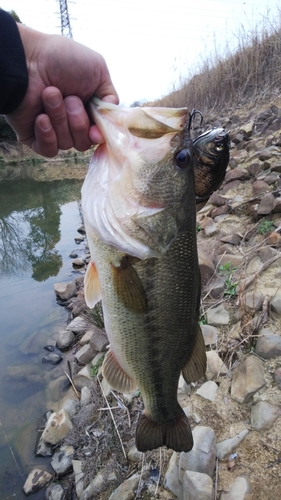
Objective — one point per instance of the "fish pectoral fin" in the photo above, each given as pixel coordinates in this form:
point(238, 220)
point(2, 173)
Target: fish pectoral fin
point(92, 290)
point(116, 376)
point(175, 434)
point(196, 365)
point(128, 286)
point(153, 226)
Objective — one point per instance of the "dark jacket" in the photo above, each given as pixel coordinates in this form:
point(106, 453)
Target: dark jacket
point(13, 69)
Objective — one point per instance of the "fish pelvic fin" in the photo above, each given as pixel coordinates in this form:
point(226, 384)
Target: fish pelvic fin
point(115, 375)
point(196, 365)
point(175, 434)
point(92, 290)
point(128, 286)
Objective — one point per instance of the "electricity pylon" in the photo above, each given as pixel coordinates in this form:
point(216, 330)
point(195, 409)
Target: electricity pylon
point(64, 19)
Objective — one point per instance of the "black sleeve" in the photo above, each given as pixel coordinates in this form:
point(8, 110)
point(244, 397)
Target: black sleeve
point(13, 69)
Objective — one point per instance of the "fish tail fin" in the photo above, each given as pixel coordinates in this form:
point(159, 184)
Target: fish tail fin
point(175, 434)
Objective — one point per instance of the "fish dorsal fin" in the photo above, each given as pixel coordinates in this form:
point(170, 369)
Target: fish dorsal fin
point(92, 290)
point(196, 365)
point(128, 286)
point(115, 375)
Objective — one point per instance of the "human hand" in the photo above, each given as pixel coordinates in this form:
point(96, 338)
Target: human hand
point(63, 75)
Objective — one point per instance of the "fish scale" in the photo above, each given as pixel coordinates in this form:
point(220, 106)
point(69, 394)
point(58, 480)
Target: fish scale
point(151, 292)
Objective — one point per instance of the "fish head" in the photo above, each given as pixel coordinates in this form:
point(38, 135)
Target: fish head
point(141, 179)
point(211, 157)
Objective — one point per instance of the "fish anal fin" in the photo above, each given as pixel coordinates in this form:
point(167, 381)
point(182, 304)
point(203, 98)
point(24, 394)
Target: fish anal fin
point(92, 290)
point(115, 375)
point(128, 286)
point(175, 434)
point(196, 365)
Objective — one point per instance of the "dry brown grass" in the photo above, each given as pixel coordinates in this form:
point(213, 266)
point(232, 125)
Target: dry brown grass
point(229, 80)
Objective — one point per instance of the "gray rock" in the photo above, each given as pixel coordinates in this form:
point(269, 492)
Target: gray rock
point(71, 406)
point(85, 354)
point(83, 378)
point(37, 480)
point(240, 489)
point(225, 447)
point(57, 387)
point(57, 427)
point(55, 492)
point(78, 262)
point(197, 486)
point(94, 487)
point(233, 239)
point(277, 377)
point(259, 187)
point(253, 300)
point(134, 455)
point(263, 415)
point(62, 460)
point(275, 303)
point(215, 365)
point(210, 227)
point(171, 479)
point(85, 396)
point(78, 325)
point(43, 449)
point(126, 490)
point(73, 255)
point(208, 390)
point(79, 239)
point(86, 337)
point(247, 379)
point(210, 334)
point(202, 457)
point(248, 128)
point(65, 339)
point(218, 316)
point(52, 358)
point(268, 344)
point(79, 477)
point(65, 291)
point(206, 266)
point(232, 259)
point(98, 340)
point(217, 287)
point(266, 204)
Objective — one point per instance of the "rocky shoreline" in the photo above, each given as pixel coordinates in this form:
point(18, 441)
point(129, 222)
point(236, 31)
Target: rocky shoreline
point(235, 412)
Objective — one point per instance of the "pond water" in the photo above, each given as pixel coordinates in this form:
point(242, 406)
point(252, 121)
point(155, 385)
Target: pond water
point(38, 224)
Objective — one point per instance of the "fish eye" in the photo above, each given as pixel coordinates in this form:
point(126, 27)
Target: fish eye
point(183, 158)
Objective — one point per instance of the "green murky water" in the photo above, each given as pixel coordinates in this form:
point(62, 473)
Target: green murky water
point(38, 223)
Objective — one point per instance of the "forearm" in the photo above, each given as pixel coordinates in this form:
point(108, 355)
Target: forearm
point(13, 68)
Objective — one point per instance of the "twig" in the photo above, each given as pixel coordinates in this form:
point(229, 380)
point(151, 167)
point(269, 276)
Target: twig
point(111, 414)
point(160, 472)
point(216, 481)
point(139, 485)
point(262, 268)
point(10, 448)
point(73, 386)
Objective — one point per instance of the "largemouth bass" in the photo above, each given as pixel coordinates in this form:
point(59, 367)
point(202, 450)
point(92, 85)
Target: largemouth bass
point(210, 159)
point(138, 202)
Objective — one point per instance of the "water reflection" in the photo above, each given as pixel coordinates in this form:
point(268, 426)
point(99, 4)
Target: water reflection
point(28, 237)
point(38, 223)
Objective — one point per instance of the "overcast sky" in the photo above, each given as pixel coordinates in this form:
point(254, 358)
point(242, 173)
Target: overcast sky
point(149, 45)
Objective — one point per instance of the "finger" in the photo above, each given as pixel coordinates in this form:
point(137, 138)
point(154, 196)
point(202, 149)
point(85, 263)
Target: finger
point(78, 122)
point(95, 135)
point(45, 142)
point(55, 109)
